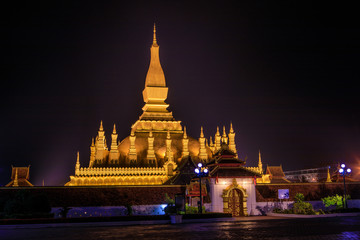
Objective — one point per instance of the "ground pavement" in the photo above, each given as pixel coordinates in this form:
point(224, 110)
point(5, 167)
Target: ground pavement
point(235, 228)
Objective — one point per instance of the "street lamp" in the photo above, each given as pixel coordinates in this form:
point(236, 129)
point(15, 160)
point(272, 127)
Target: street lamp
point(201, 172)
point(344, 172)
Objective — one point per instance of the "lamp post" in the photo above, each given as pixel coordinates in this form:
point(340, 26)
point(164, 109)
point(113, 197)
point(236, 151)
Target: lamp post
point(344, 172)
point(201, 172)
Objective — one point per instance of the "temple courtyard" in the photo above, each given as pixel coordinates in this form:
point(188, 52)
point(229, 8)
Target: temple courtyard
point(235, 228)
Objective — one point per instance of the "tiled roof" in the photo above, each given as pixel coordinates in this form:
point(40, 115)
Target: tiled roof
point(275, 171)
point(22, 177)
point(232, 172)
point(186, 173)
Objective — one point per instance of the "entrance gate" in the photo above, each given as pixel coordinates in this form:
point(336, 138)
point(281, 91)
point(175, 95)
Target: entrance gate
point(236, 202)
point(234, 199)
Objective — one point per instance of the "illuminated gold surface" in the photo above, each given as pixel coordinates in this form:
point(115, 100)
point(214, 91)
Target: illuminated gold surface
point(217, 140)
point(203, 153)
point(232, 145)
point(155, 147)
point(155, 92)
point(185, 144)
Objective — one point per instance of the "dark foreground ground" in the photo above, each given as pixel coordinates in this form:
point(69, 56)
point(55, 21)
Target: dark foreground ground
point(251, 228)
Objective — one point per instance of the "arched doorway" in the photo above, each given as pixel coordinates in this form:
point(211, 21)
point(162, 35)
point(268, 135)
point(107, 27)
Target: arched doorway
point(235, 204)
point(234, 199)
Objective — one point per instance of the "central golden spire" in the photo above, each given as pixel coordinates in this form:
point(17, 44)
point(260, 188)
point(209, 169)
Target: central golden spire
point(155, 76)
point(155, 92)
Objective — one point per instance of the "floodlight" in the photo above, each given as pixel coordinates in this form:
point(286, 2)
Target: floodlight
point(341, 170)
point(343, 165)
point(199, 165)
point(196, 170)
point(348, 170)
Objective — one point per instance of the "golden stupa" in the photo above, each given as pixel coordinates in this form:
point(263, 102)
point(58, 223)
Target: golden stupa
point(155, 147)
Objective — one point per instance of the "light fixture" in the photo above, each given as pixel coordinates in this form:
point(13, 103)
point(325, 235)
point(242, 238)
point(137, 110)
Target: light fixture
point(201, 172)
point(343, 173)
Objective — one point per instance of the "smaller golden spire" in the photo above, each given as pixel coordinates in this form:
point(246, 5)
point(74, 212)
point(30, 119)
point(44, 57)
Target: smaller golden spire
point(328, 179)
point(217, 131)
point(224, 132)
point(185, 134)
point(202, 132)
point(101, 126)
point(260, 163)
point(92, 142)
point(231, 128)
point(77, 165)
point(78, 158)
point(224, 138)
point(154, 37)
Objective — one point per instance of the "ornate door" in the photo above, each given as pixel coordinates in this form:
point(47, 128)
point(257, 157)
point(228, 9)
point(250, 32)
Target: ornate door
point(236, 206)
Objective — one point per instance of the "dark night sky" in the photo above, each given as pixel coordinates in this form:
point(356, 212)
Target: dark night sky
point(285, 74)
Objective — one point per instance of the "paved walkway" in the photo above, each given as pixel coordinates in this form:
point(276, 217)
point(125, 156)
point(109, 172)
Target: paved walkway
point(233, 228)
point(134, 223)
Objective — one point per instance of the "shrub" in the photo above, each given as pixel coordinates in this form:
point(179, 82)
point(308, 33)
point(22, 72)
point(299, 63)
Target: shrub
point(337, 201)
point(129, 209)
point(277, 210)
point(288, 211)
point(321, 212)
point(299, 197)
point(193, 210)
point(301, 207)
point(64, 211)
point(170, 209)
point(169, 200)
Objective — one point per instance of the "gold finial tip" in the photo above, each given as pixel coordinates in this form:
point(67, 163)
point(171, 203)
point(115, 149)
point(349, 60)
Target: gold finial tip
point(231, 128)
point(154, 37)
point(202, 132)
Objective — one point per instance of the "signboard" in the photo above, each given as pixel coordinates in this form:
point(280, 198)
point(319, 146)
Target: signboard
point(193, 189)
point(283, 194)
